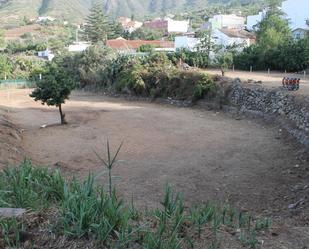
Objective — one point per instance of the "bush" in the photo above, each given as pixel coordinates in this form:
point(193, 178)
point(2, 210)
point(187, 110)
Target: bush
point(156, 76)
point(204, 86)
point(194, 59)
point(289, 55)
point(147, 48)
point(28, 46)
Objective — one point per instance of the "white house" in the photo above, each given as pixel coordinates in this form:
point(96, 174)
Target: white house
point(177, 26)
point(227, 21)
point(168, 25)
point(296, 12)
point(228, 37)
point(185, 42)
point(300, 33)
point(79, 47)
point(46, 54)
point(45, 19)
point(129, 25)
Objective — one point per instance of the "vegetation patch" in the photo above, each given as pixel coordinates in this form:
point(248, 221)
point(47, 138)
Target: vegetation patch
point(72, 213)
point(155, 75)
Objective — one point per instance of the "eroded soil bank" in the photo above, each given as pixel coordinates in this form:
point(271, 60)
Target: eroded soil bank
point(204, 154)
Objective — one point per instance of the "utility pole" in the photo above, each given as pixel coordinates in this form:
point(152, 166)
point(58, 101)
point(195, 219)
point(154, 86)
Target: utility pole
point(76, 36)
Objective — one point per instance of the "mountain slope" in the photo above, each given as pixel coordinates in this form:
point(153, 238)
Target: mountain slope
point(77, 9)
point(12, 10)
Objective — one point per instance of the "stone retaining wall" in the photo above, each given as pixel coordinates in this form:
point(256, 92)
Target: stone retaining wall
point(290, 109)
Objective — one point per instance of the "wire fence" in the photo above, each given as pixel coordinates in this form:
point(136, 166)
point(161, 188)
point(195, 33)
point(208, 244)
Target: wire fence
point(16, 83)
point(302, 74)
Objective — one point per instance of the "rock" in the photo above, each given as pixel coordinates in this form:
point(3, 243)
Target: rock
point(11, 212)
point(15, 135)
point(296, 204)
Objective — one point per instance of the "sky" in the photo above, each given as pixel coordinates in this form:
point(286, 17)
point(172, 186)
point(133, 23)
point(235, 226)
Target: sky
point(297, 11)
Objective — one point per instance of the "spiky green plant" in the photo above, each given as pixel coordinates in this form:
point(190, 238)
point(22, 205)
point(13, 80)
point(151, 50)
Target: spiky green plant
point(109, 164)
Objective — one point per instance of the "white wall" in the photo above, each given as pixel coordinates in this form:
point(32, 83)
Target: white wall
point(177, 26)
point(186, 42)
point(299, 34)
point(230, 21)
point(221, 39)
point(80, 47)
point(253, 20)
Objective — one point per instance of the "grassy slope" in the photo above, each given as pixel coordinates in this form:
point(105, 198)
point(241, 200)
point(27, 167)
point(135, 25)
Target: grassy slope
point(76, 9)
point(69, 9)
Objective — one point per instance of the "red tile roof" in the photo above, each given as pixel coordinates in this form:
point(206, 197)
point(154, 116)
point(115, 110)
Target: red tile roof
point(123, 44)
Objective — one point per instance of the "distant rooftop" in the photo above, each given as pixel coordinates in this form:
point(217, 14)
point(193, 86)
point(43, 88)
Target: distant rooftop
point(123, 44)
point(238, 33)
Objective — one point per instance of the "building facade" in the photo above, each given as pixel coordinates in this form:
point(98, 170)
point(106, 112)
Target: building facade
point(227, 21)
point(168, 25)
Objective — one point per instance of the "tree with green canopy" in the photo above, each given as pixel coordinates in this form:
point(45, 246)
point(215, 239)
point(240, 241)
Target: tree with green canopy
point(274, 28)
point(97, 26)
point(224, 59)
point(54, 88)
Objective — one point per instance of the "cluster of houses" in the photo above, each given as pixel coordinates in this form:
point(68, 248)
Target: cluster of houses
point(224, 30)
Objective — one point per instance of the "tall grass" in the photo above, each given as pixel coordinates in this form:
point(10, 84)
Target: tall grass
point(84, 210)
point(29, 187)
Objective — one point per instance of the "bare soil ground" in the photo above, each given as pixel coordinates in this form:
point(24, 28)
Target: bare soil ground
point(203, 154)
point(272, 80)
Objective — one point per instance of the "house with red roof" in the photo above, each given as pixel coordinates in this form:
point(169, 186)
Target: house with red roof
point(130, 46)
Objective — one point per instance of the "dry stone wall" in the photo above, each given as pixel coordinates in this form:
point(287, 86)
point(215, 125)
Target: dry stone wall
point(290, 109)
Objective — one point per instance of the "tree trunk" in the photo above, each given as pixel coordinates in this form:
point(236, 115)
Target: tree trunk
point(222, 71)
point(62, 116)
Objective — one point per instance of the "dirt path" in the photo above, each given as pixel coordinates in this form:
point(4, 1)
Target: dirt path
point(270, 81)
point(204, 154)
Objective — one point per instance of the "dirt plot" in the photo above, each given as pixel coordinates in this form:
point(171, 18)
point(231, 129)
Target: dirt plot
point(204, 154)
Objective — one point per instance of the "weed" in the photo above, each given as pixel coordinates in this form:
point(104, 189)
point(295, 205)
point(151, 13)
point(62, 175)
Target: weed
point(248, 239)
point(30, 187)
point(10, 230)
point(109, 164)
point(262, 224)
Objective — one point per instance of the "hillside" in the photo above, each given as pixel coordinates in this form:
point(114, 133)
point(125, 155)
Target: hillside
point(76, 9)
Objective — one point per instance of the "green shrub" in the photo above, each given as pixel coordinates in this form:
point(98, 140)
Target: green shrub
point(204, 86)
point(87, 210)
point(30, 187)
point(192, 58)
point(147, 48)
point(10, 233)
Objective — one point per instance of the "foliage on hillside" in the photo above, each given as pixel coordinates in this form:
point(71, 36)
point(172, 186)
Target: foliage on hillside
point(77, 9)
